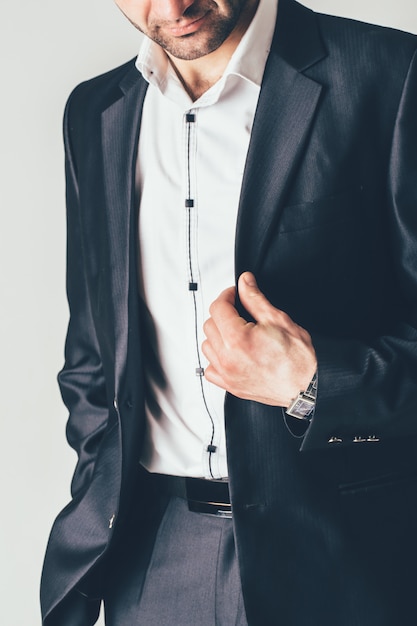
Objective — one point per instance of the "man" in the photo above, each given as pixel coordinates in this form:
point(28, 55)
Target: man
point(285, 157)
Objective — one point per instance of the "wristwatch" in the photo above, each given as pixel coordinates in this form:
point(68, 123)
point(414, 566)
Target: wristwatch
point(302, 406)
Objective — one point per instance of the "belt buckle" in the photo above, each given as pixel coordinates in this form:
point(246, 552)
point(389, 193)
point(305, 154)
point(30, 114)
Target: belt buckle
point(225, 513)
point(217, 494)
point(218, 509)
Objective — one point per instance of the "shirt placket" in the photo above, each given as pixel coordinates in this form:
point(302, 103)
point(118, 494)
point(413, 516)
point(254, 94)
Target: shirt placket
point(194, 286)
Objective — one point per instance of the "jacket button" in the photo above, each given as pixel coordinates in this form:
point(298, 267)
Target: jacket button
point(358, 439)
point(335, 440)
point(373, 439)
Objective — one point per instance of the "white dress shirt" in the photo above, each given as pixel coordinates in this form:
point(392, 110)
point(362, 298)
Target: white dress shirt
point(189, 173)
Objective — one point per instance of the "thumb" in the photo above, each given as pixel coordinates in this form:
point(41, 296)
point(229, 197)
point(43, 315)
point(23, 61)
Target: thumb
point(252, 298)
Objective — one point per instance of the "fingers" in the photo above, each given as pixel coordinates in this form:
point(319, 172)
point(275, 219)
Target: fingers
point(213, 345)
point(223, 308)
point(225, 323)
point(267, 361)
point(257, 305)
point(222, 326)
point(224, 318)
point(212, 376)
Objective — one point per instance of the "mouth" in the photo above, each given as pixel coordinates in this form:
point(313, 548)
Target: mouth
point(187, 27)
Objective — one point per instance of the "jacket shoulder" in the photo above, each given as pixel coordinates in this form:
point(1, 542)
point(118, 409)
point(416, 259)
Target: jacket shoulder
point(361, 53)
point(350, 32)
point(99, 92)
point(348, 47)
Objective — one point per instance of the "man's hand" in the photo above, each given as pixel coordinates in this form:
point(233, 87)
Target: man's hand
point(269, 361)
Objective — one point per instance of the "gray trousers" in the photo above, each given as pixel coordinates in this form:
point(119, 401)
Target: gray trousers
point(182, 571)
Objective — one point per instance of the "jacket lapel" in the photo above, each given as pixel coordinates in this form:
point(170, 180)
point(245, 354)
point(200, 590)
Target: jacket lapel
point(286, 108)
point(120, 132)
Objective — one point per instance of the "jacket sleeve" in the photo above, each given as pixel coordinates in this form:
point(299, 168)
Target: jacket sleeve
point(369, 391)
point(81, 380)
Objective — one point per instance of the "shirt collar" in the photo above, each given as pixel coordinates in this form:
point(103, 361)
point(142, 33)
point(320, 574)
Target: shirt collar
point(248, 60)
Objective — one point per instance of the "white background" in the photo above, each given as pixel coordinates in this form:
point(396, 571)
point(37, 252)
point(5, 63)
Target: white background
point(46, 48)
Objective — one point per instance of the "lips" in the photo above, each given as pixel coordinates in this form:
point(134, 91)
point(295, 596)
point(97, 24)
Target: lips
point(187, 27)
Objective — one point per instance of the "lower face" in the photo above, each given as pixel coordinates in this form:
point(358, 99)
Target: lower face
point(194, 32)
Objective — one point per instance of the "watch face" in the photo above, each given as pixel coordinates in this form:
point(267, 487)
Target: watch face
point(301, 408)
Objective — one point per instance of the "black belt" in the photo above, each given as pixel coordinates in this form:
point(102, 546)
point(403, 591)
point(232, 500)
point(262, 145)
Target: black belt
point(203, 496)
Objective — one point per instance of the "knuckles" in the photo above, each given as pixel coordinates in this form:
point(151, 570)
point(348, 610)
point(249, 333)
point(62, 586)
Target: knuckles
point(281, 319)
point(215, 307)
point(206, 326)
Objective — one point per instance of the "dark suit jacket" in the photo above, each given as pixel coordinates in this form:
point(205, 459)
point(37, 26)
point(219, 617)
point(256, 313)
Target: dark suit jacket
point(325, 520)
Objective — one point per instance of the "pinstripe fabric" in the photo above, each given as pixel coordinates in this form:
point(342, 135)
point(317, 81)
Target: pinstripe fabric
point(189, 576)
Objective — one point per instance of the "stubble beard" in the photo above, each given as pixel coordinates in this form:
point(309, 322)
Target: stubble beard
point(204, 41)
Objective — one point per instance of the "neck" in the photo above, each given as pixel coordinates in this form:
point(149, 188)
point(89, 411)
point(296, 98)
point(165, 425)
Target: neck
point(200, 74)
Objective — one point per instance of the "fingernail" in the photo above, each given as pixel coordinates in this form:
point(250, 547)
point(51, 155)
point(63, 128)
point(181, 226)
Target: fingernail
point(249, 279)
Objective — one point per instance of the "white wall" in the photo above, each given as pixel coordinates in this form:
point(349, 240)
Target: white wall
point(46, 48)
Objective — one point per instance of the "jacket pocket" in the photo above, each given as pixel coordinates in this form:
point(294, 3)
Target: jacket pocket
point(385, 481)
point(337, 207)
